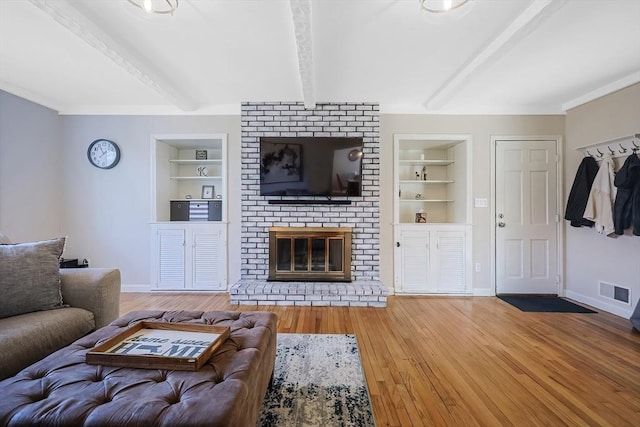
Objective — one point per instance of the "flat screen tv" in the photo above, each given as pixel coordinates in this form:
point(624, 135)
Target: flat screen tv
point(310, 166)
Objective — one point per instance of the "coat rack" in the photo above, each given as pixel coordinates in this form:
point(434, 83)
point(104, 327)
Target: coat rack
point(618, 147)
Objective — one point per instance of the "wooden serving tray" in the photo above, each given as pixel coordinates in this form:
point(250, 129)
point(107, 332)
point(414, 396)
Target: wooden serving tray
point(160, 345)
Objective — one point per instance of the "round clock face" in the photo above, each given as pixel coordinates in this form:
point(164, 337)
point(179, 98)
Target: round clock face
point(103, 154)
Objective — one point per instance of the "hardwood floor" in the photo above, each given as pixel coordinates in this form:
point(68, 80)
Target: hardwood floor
point(470, 361)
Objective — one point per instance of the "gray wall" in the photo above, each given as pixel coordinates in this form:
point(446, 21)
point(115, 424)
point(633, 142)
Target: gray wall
point(48, 188)
point(108, 211)
point(31, 144)
point(591, 257)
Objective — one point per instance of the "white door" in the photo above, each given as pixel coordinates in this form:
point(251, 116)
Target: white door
point(526, 217)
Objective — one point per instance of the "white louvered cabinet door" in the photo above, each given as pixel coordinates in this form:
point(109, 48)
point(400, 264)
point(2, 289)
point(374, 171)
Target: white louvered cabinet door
point(189, 257)
point(414, 252)
point(171, 259)
point(448, 260)
point(208, 260)
point(432, 259)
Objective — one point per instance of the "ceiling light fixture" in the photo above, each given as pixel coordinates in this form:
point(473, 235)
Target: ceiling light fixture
point(441, 6)
point(156, 6)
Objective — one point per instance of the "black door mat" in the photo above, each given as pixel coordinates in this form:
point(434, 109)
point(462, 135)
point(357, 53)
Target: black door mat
point(544, 304)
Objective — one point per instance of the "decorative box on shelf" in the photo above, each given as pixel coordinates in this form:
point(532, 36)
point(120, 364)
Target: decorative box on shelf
point(196, 210)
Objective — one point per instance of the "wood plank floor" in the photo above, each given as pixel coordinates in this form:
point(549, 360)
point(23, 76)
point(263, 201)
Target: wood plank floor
point(470, 361)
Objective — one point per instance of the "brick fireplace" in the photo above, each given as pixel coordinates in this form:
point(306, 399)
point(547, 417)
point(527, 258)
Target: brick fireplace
point(260, 213)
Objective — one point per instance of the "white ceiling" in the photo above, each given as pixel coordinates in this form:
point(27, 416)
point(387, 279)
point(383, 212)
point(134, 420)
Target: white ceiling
point(489, 57)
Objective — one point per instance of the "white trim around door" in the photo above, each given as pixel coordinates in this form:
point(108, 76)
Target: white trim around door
point(559, 204)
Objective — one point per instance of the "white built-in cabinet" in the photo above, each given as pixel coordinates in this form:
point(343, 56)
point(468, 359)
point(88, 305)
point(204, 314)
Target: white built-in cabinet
point(432, 258)
point(188, 255)
point(432, 178)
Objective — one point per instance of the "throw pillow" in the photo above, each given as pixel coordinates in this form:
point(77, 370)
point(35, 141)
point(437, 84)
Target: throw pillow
point(30, 277)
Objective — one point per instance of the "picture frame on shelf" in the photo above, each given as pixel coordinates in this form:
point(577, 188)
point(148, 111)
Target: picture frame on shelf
point(208, 191)
point(201, 154)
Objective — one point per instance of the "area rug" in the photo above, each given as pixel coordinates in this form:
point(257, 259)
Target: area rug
point(318, 381)
point(544, 304)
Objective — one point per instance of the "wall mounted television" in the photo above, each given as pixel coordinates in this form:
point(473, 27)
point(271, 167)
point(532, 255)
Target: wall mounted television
point(311, 166)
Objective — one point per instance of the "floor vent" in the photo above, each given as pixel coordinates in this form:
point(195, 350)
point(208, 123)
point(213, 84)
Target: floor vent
point(615, 292)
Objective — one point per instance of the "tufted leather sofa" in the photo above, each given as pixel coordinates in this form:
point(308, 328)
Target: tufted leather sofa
point(227, 391)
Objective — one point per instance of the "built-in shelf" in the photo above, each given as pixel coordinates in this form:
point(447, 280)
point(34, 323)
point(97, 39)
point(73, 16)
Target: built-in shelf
point(428, 181)
point(427, 162)
point(177, 175)
point(198, 178)
point(432, 216)
point(426, 201)
point(196, 162)
point(190, 252)
point(193, 200)
point(431, 174)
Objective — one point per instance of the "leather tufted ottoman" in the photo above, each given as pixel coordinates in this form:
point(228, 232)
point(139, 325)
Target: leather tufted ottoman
point(227, 391)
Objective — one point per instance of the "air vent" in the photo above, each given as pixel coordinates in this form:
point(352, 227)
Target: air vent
point(615, 292)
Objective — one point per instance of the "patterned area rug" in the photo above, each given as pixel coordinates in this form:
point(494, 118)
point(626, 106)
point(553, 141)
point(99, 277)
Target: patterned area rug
point(318, 381)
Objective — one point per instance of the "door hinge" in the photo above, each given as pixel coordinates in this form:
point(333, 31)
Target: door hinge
point(557, 218)
point(557, 279)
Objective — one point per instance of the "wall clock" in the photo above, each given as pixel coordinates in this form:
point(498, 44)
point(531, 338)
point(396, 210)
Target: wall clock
point(103, 154)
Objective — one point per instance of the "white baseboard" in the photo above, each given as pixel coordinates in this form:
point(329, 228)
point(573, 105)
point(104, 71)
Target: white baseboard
point(135, 288)
point(602, 305)
point(484, 292)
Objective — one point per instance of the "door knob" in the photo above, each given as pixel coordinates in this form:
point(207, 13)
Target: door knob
point(501, 224)
point(397, 244)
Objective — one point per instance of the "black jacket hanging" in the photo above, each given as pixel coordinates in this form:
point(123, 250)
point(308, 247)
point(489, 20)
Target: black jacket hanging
point(626, 210)
point(580, 192)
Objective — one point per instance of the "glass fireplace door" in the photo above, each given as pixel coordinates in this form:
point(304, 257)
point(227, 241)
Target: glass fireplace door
point(300, 255)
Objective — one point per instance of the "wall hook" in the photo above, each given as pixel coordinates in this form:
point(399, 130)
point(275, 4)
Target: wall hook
point(610, 150)
point(588, 153)
point(623, 150)
point(635, 147)
point(600, 153)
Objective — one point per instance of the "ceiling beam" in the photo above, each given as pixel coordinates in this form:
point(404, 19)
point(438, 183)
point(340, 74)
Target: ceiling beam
point(629, 80)
point(301, 13)
point(63, 12)
point(526, 22)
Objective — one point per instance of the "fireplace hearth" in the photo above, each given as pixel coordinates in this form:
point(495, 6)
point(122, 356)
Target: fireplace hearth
point(319, 254)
